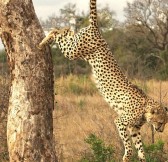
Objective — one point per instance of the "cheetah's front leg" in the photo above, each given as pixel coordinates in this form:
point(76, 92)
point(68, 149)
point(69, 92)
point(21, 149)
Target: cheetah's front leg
point(49, 38)
point(52, 36)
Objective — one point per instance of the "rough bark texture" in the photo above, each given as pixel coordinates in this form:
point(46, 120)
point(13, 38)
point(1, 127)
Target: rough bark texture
point(30, 125)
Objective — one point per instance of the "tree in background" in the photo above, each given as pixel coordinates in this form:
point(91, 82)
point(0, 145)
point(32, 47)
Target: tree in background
point(148, 19)
point(106, 19)
point(30, 124)
point(151, 19)
point(67, 17)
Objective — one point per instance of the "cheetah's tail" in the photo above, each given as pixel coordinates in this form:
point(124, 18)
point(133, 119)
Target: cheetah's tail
point(93, 12)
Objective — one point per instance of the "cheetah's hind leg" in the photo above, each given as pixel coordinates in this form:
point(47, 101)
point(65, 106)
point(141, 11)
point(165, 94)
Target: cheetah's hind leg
point(122, 129)
point(136, 139)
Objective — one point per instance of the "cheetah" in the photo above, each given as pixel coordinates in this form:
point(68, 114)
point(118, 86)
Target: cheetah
point(132, 105)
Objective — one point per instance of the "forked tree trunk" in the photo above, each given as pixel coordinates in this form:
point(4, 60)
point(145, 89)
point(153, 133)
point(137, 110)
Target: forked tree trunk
point(30, 124)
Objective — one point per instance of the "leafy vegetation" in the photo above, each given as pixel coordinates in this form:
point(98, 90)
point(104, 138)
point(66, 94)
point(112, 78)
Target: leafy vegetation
point(77, 85)
point(100, 151)
point(139, 44)
point(154, 152)
point(105, 153)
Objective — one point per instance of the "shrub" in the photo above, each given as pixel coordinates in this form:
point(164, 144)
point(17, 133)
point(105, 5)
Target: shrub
point(100, 152)
point(154, 152)
point(104, 153)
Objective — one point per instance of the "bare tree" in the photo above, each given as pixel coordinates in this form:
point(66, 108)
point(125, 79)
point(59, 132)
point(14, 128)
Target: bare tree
point(151, 19)
point(106, 19)
point(30, 124)
point(67, 17)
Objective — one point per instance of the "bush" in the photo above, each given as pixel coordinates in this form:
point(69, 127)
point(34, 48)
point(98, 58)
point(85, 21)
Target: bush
point(154, 153)
point(100, 152)
point(104, 153)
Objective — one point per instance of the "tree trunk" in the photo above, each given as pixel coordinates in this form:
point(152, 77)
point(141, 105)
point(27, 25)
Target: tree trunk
point(30, 124)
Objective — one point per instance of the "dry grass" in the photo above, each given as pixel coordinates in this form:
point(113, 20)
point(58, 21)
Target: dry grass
point(158, 90)
point(79, 111)
point(78, 115)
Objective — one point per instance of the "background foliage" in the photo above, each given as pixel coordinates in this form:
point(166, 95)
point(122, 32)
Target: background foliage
point(139, 43)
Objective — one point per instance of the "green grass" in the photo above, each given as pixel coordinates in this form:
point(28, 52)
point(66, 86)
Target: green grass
point(77, 85)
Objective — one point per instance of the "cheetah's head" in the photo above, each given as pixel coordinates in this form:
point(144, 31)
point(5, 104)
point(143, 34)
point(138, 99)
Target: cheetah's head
point(157, 115)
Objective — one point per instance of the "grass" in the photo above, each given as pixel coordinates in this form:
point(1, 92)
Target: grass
point(80, 113)
point(77, 85)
